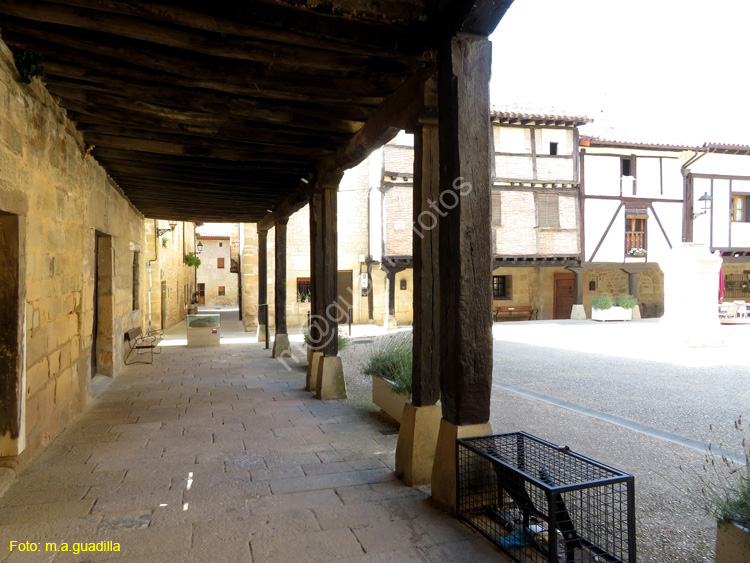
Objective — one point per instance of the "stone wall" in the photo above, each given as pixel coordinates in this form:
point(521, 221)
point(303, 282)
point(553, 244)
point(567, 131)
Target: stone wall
point(166, 263)
point(62, 200)
point(614, 282)
point(214, 277)
point(353, 238)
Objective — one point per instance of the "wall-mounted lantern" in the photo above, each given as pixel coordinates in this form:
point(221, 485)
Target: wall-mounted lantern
point(706, 199)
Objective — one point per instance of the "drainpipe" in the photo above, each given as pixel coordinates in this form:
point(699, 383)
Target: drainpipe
point(156, 257)
point(687, 193)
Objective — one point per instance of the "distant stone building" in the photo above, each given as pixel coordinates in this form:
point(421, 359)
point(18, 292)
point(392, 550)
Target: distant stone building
point(217, 276)
point(352, 260)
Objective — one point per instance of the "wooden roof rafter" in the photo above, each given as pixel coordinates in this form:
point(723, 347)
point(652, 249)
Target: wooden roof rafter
point(186, 100)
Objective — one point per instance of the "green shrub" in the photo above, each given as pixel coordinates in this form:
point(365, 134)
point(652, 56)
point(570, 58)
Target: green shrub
point(602, 302)
point(725, 483)
point(192, 260)
point(390, 358)
point(626, 301)
point(343, 342)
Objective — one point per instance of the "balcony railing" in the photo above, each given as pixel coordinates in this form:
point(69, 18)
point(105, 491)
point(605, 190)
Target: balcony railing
point(634, 240)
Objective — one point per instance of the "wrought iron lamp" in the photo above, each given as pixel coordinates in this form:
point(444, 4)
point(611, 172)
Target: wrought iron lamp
point(160, 232)
point(706, 199)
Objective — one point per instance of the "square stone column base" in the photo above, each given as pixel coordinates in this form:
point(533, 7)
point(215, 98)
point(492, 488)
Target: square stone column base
point(444, 467)
point(281, 346)
point(330, 383)
point(578, 313)
point(261, 333)
point(312, 369)
point(417, 439)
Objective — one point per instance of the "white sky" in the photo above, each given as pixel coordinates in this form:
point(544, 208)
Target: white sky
point(676, 70)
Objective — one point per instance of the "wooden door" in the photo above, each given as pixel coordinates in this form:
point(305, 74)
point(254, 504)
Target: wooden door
point(565, 295)
point(201, 294)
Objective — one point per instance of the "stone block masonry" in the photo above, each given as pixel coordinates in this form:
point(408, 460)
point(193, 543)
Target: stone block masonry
point(64, 203)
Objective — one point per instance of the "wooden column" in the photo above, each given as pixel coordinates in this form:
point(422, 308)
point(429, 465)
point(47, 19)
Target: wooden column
point(465, 253)
point(329, 274)
point(316, 271)
point(426, 244)
point(262, 284)
point(281, 341)
point(329, 382)
point(420, 420)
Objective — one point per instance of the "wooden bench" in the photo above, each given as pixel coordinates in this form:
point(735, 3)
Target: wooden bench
point(517, 313)
point(141, 344)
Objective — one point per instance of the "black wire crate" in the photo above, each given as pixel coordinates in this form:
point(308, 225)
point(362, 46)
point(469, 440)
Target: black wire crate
point(542, 503)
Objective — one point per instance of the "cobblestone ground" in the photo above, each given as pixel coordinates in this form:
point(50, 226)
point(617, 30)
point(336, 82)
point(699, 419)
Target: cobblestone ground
point(217, 454)
point(627, 371)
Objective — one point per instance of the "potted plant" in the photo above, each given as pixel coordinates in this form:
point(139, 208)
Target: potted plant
point(725, 491)
point(607, 308)
point(389, 364)
point(637, 252)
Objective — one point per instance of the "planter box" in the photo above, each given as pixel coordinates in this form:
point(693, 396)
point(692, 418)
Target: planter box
point(612, 314)
point(732, 543)
point(384, 397)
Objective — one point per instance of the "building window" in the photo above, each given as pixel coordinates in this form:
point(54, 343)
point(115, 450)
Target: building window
point(548, 210)
point(221, 244)
point(136, 284)
point(219, 262)
point(627, 166)
point(553, 148)
point(222, 291)
point(496, 211)
point(739, 208)
point(304, 290)
point(499, 287)
point(635, 231)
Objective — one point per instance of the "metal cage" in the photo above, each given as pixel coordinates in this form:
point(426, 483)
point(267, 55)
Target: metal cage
point(539, 502)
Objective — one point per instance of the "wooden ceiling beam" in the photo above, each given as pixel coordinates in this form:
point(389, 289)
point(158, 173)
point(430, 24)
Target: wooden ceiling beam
point(209, 43)
point(102, 110)
point(345, 118)
point(108, 122)
point(399, 111)
point(196, 162)
point(478, 17)
point(202, 72)
point(271, 22)
point(292, 203)
point(270, 154)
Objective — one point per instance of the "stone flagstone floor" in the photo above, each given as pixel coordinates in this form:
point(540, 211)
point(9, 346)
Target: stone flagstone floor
point(216, 454)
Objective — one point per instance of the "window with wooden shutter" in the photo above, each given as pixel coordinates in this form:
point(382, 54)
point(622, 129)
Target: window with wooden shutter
point(496, 214)
point(219, 262)
point(548, 210)
point(739, 208)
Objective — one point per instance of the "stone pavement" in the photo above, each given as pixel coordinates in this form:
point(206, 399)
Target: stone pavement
point(216, 454)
